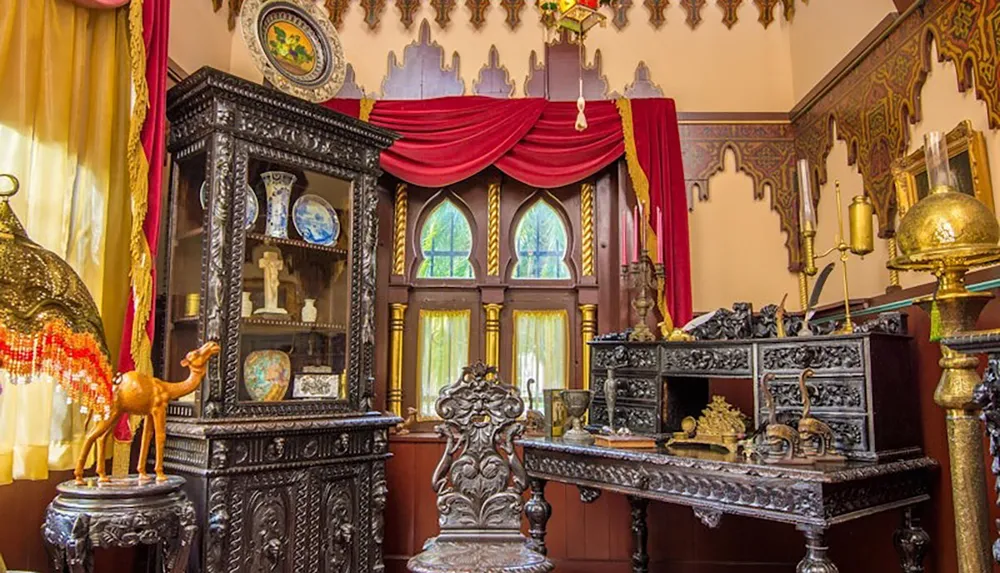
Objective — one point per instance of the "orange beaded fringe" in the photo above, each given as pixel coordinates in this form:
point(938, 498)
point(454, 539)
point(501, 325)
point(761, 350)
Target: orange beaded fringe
point(76, 361)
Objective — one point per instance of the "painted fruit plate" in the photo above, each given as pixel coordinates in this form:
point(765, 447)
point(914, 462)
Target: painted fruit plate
point(296, 47)
point(253, 208)
point(267, 374)
point(316, 220)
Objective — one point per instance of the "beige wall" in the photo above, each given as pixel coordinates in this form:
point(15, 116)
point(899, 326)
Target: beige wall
point(198, 36)
point(824, 31)
point(712, 68)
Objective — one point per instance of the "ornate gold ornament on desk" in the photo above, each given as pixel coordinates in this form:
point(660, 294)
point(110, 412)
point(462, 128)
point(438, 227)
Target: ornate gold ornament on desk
point(810, 441)
point(862, 238)
point(720, 425)
point(641, 275)
point(947, 233)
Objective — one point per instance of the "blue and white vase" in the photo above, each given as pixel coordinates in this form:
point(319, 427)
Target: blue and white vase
point(279, 191)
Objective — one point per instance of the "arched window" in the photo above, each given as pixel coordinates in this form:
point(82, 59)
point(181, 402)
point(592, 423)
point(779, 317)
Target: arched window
point(540, 244)
point(446, 242)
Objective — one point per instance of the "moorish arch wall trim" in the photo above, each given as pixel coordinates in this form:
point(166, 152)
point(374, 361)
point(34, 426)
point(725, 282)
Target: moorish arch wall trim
point(478, 9)
point(874, 102)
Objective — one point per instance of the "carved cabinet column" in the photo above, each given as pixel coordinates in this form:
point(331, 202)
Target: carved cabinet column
point(588, 328)
point(397, 321)
point(493, 334)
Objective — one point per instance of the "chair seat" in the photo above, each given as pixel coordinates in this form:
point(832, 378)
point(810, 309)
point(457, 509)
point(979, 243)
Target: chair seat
point(479, 557)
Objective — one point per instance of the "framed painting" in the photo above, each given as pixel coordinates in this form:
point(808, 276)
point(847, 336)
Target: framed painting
point(294, 44)
point(969, 165)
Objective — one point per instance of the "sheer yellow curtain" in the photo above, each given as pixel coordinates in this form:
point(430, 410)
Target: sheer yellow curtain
point(64, 111)
point(443, 348)
point(541, 351)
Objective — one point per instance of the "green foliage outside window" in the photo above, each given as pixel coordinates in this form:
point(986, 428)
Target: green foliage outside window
point(540, 243)
point(446, 243)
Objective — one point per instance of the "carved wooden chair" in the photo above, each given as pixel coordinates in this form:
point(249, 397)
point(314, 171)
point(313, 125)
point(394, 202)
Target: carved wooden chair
point(479, 481)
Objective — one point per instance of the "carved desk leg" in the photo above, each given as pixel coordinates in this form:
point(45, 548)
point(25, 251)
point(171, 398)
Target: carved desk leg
point(640, 535)
point(57, 557)
point(816, 560)
point(538, 512)
point(911, 542)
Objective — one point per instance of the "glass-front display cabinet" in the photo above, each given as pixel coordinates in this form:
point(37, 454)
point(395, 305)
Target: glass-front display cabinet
point(272, 235)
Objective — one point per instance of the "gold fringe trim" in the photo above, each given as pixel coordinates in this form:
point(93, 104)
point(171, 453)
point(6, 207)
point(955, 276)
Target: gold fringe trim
point(367, 105)
point(641, 186)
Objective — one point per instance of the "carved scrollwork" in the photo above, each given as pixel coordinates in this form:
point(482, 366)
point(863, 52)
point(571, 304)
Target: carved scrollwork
point(823, 393)
point(709, 517)
point(339, 538)
point(220, 455)
point(718, 359)
point(629, 387)
point(589, 494)
point(640, 358)
point(268, 542)
point(827, 356)
point(635, 419)
point(725, 324)
point(218, 524)
point(479, 479)
point(765, 323)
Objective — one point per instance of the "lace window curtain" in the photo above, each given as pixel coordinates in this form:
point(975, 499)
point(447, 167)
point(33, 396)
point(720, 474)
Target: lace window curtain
point(443, 349)
point(541, 350)
point(64, 114)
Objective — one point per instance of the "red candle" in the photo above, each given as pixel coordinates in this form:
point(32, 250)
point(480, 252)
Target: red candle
point(624, 240)
point(635, 234)
point(659, 235)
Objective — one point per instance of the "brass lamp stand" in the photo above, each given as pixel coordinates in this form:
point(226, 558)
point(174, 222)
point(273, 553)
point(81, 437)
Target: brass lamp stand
point(643, 276)
point(947, 233)
point(862, 242)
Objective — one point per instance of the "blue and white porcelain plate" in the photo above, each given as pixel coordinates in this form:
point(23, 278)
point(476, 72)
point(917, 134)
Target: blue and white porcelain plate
point(316, 220)
point(253, 209)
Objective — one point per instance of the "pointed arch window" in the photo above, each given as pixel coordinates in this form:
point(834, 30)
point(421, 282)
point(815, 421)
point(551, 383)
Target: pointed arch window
point(446, 243)
point(540, 243)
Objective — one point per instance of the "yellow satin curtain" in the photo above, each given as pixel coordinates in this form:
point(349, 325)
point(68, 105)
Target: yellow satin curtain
point(443, 348)
point(541, 351)
point(64, 111)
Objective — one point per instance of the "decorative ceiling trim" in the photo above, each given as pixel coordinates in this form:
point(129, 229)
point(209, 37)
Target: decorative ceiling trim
point(494, 79)
point(513, 10)
point(766, 10)
point(642, 87)
point(620, 18)
point(442, 12)
point(422, 73)
point(693, 9)
point(656, 9)
point(730, 13)
point(337, 9)
point(407, 9)
point(373, 12)
point(477, 12)
point(764, 151)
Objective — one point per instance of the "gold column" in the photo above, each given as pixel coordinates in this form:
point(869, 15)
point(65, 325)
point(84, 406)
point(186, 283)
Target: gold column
point(493, 334)
point(803, 291)
point(893, 273)
point(399, 232)
point(587, 227)
point(588, 327)
point(493, 232)
point(397, 319)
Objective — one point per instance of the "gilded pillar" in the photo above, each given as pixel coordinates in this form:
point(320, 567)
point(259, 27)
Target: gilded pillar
point(493, 232)
point(399, 232)
point(397, 319)
point(493, 334)
point(588, 328)
point(587, 228)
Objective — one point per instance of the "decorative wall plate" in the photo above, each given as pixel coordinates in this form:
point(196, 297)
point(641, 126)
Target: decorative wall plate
point(253, 208)
point(316, 220)
point(266, 375)
point(294, 44)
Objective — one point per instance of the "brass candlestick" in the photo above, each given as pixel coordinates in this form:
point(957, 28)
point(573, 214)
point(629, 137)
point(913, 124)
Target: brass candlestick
point(947, 233)
point(862, 242)
point(643, 277)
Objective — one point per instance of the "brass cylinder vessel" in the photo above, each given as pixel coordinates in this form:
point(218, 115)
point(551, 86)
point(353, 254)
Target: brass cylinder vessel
point(860, 214)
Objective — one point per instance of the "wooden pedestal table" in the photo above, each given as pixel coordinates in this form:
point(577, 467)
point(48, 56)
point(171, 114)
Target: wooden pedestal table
point(122, 513)
point(811, 497)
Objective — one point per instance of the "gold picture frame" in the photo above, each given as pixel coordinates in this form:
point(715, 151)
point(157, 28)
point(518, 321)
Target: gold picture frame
point(969, 163)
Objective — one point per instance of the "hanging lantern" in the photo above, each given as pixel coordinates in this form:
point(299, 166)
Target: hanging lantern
point(577, 16)
point(49, 324)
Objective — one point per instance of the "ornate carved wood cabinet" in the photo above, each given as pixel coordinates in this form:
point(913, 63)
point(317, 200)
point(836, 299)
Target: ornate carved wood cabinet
point(283, 456)
point(860, 388)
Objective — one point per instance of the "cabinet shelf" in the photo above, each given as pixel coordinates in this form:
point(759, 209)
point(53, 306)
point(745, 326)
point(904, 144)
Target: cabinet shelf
point(295, 243)
point(253, 325)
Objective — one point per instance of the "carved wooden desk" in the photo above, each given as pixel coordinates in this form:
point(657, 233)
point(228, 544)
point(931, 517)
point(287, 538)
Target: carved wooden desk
point(812, 498)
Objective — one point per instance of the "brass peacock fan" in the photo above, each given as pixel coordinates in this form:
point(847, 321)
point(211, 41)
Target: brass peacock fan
point(49, 324)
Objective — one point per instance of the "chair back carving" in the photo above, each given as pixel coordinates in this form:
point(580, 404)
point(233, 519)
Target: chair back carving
point(479, 479)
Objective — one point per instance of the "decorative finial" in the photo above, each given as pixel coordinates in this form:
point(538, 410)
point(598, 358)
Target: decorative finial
point(15, 185)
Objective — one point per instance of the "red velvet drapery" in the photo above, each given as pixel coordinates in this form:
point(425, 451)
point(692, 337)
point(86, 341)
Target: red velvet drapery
point(446, 140)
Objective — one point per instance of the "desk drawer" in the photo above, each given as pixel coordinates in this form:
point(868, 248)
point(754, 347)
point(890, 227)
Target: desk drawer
point(638, 417)
point(833, 355)
point(641, 387)
point(636, 356)
point(838, 393)
point(683, 360)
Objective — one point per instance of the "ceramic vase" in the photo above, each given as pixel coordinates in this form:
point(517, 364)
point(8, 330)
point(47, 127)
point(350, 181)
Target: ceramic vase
point(279, 190)
point(309, 310)
point(266, 375)
point(247, 304)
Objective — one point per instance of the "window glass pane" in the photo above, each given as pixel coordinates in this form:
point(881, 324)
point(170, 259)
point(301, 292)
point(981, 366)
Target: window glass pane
point(540, 243)
point(443, 348)
point(446, 242)
point(541, 351)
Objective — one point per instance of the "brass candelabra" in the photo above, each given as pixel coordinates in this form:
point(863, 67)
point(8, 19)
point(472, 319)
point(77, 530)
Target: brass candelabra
point(643, 277)
point(861, 242)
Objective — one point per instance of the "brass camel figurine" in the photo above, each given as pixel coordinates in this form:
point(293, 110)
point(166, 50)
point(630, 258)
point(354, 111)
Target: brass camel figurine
point(781, 440)
point(815, 435)
point(143, 395)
